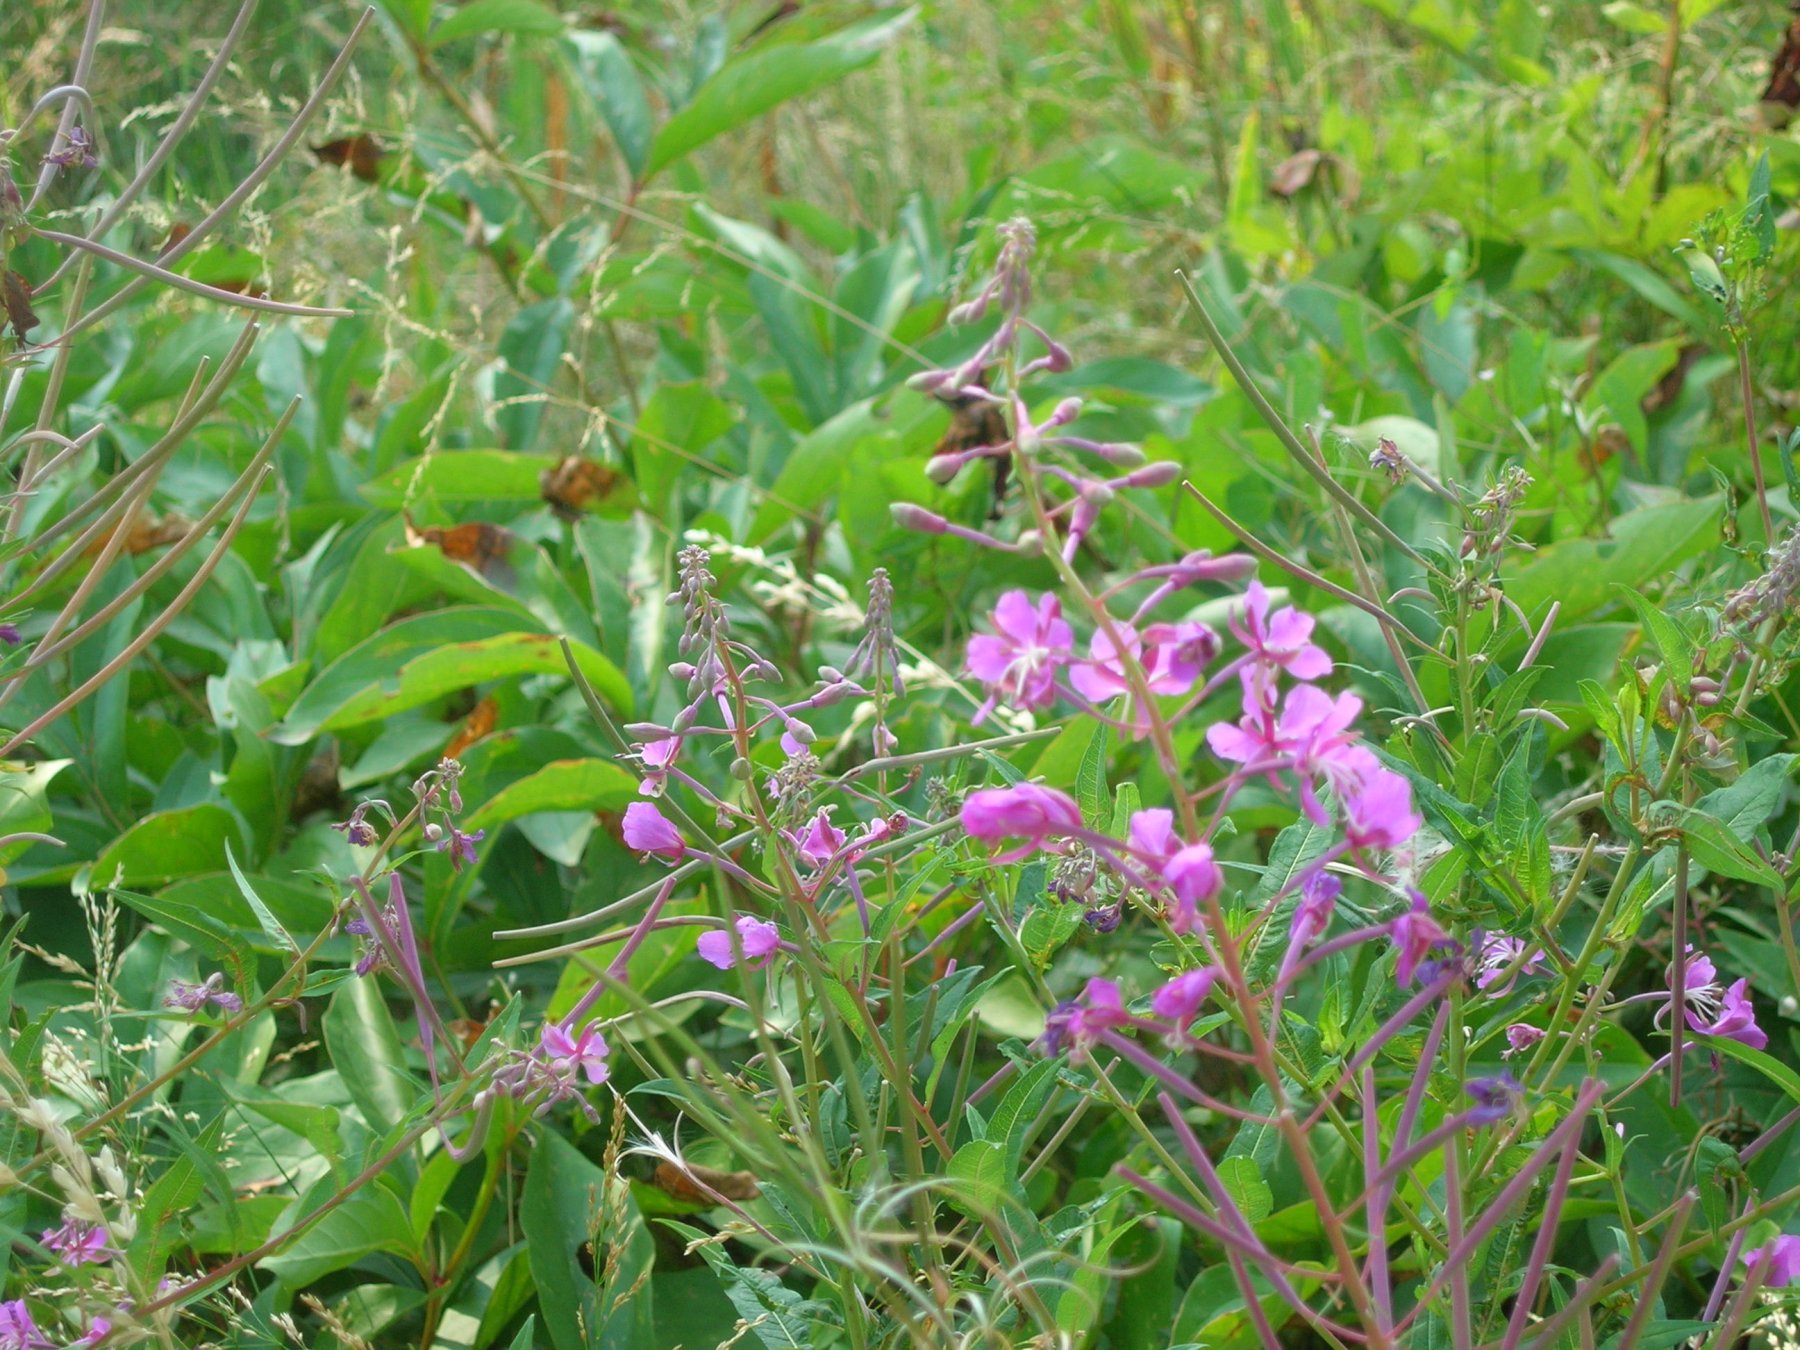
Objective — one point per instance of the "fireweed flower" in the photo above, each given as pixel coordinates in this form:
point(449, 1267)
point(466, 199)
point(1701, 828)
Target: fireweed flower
point(760, 941)
point(585, 1053)
point(1283, 640)
point(1494, 1097)
point(1777, 1260)
point(1415, 935)
point(1319, 893)
point(1379, 814)
point(820, 841)
point(1024, 811)
point(194, 997)
point(1181, 998)
point(1520, 1037)
point(18, 1331)
point(1078, 1023)
point(460, 846)
point(656, 756)
point(1020, 659)
point(9, 634)
point(1188, 871)
point(1495, 953)
point(648, 831)
point(78, 1243)
point(1713, 1011)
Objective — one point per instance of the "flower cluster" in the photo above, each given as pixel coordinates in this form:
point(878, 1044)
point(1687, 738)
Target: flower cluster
point(552, 1070)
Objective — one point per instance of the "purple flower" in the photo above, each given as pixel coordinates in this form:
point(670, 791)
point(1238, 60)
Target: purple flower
point(460, 846)
point(1380, 814)
point(18, 1331)
point(97, 1331)
point(1078, 1023)
point(1020, 660)
point(1319, 894)
point(1284, 640)
point(820, 841)
point(1181, 998)
point(77, 151)
point(568, 1054)
point(357, 830)
point(78, 1243)
point(1494, 1097)
point(1024, 811)
point(9, 634)
point(1777, 1260)
point(647, 831)
point(1415, 934)
point(1520, 1037)
point(194, 997)
point(759, 938)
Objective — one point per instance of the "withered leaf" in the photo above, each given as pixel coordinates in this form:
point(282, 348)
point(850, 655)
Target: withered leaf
point(698, 1185)
point(576, 482)
point(479, 723)
point(18, 304)
point(362, 153)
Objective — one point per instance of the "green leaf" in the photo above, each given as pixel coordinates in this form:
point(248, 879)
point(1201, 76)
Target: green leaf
point(498, 16)
point(165, 846)
point(371, 1220)
point(270, 924)
point(460, 476)
point(751, 84)
point(23, 804)
point(561, 1208)
point(612, 82)
point(565, 785)
point(427, 656)
point(531, 349)
point(782, 1319)
point(365, 1047)
point(1716, 847)
point(1645, 543)
point(1764, 1063)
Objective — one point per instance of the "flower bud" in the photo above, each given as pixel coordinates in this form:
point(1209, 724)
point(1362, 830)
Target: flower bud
point(942, 468)
point(910, 517)
point(741, 769)
point(1159, 474)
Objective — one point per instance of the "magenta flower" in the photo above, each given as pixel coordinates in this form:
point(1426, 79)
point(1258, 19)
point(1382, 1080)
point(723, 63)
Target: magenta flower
point(1520, 1037)
point(97, 1331)
point(1284, 640)
point(656, 757)
point(1379, 814)
point(1024, 811)
point(1078, 1023)
point(1713, 1011)
point(1172, 657)
point(760, 941)
point(1187, 870)
point(820, 841)
point(194, 997)
point(647, 831)
point(18, 1331)
point(1181, 998)
point(1494, 1097)
point(78, 1243)
point(1415, 934)
point(1778, 1260)
point(568, 1054)
point(1020, 660)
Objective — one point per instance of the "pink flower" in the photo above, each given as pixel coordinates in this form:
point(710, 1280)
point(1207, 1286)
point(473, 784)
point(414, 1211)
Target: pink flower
point(1024, 811)
point(1187, 870)
point(1496, 954)
point(1171, 655)
point(18, 1331)
point(1713, 1011)
point(656, 756)
point(1379, 814)
point(1019, 662)
point(97, 1331)
point(1778, 1260)
point(647, 831)
point(1415, 933)
point(1319, 894)
point(1078, 1024)
point(1181, 998)
point(1284, 640)
point(78, 1243)
point(566, 1054)
point(759, 939)
point(820, 841)
point(1521, 1036)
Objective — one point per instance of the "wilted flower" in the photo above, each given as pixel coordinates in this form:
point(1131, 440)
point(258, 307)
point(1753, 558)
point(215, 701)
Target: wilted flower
point(759, 938)
point(1078, 1023)
point(460, 846)
point(194, 997)
point(76, 151)
point(1520, 1037)
point(9, 634)
point(1020, 659)
point(1025, 811)
point(648, 831)
point(1494, 1097)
